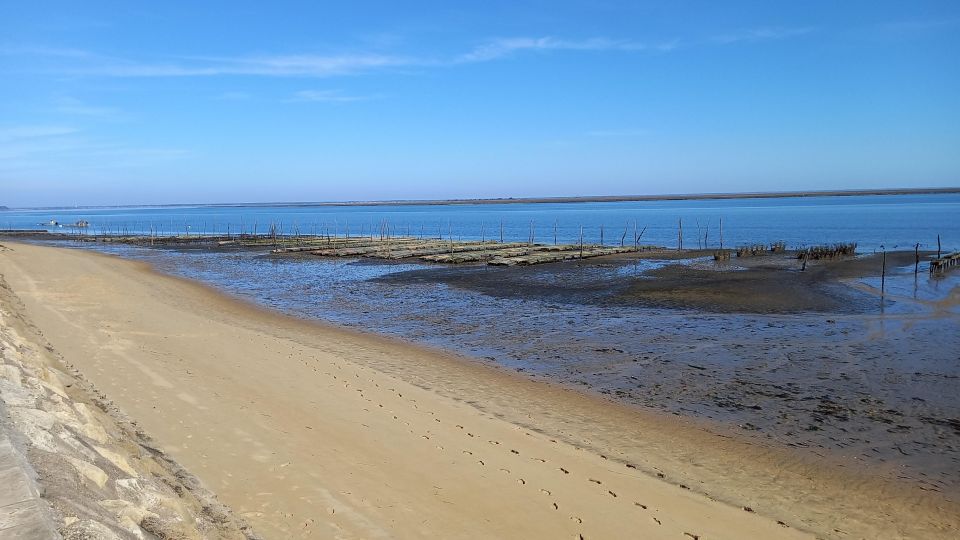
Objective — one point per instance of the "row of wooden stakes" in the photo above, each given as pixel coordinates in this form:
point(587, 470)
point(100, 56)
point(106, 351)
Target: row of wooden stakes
point(455, 252)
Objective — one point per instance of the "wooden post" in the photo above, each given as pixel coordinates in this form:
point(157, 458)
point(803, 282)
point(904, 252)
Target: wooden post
point(916, 255)
point(601, 235)
point(680, 236)
point(501, 231)
point(636, 239)
point(581, 241)
point(721, 233)
point(483, 236)
point(883, 273)
point(555, 223)
point(938, 246)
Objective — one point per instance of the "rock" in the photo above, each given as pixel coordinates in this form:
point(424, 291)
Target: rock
point(89, 471)
point(117, 460)
point(87, 530)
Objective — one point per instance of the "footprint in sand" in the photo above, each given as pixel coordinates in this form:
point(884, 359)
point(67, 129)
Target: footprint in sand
point(545, 492)
point(595, 481)
point(564, 470)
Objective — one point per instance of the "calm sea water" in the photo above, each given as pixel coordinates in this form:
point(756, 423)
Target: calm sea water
point(874, 222)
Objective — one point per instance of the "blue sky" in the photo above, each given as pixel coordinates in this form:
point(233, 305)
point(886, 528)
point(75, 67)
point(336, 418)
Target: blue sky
point(163, 102)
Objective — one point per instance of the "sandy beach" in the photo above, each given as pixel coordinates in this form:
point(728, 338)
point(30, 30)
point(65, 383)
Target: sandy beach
point(313, 431)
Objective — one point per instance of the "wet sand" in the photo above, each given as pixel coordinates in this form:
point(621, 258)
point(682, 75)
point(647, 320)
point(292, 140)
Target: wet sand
point(364, 436)
point(813, 359)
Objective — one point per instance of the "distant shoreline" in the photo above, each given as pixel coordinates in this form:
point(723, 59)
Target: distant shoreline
point(533, 200)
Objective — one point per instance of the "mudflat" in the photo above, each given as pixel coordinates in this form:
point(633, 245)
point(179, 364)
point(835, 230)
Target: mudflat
point(308, 430)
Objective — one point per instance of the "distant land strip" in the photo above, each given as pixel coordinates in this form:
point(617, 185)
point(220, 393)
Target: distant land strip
point(536, 200)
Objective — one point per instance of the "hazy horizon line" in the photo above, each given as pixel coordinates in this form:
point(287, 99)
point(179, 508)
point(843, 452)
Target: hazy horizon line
point(526, 200)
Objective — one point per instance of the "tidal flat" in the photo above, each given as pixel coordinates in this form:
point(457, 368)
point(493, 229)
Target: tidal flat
point(817, 359)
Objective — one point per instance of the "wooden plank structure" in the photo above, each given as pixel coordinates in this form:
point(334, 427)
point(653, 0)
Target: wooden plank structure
point(941, 264)
point(387, 247)
point(456, 252)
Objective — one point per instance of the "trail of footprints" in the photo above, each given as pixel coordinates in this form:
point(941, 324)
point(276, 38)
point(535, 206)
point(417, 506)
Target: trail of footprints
point(554, 504)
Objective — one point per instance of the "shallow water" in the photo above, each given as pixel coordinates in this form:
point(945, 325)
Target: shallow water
point(874, 222)
point(877, 386)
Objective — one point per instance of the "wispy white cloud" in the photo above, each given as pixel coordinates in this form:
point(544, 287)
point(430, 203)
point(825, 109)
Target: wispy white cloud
point(501, 47)
point(73, 106)
point(762, 34)
point(38, 149)
point(87, 63)
point(20, 133)
point(29, 50)
point(328, 96)
point(301, 65)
